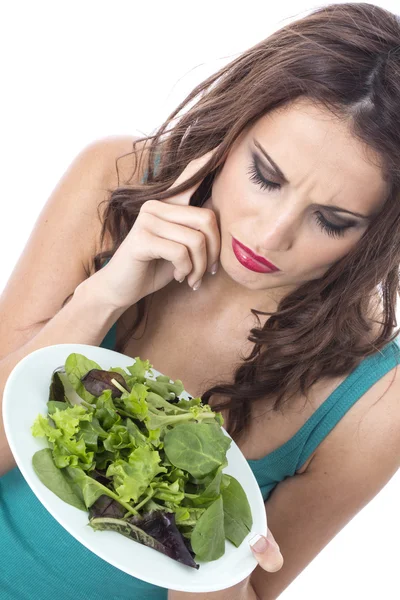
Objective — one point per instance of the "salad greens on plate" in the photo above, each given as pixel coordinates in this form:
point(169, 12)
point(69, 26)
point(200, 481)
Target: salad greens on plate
point(140, 460)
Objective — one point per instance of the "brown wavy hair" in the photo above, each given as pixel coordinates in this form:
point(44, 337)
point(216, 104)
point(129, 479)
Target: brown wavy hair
point(346, 58)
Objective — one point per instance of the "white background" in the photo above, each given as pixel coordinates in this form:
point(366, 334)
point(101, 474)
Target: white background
point(76, 71)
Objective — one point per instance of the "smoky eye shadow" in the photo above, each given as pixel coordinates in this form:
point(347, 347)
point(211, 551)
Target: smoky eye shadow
point(263, 167)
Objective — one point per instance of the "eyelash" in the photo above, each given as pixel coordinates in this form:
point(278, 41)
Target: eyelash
point(265, 184)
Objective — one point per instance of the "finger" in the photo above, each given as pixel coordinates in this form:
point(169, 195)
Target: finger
point(267, 552)
point(183, 198)
point(160, 248)
point(194, 217)
point(194, 241)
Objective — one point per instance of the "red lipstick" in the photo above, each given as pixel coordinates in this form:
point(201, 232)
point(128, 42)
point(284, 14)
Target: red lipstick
point(250, 260)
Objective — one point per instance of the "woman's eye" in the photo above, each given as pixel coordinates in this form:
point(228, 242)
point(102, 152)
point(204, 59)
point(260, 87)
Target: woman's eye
point(255, 175)
point(330, 228)
point(265, 184)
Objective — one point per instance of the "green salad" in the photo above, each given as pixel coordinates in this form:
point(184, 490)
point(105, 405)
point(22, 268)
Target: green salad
point(124, 447)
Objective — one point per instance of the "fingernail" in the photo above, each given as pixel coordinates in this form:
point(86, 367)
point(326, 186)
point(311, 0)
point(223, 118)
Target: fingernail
point(259, 543)
point(214, 268)
point(197, 285)
point(180, 280)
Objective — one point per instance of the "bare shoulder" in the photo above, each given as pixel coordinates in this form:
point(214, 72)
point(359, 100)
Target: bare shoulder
point(372, 421)
point(65, 238)
point(118, 160)
point(116, 165)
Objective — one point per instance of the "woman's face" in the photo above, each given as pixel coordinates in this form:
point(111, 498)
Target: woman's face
point(291, 223)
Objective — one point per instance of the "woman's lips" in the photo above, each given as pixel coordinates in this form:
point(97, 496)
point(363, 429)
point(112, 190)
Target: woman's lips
point(250, 260)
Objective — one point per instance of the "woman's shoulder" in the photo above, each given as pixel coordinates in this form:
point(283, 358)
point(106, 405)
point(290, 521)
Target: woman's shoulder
point(59, 252)
point(118, 159)
point(114, 164)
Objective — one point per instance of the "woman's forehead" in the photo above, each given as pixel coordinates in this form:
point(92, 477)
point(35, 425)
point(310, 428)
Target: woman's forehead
point(313, 147)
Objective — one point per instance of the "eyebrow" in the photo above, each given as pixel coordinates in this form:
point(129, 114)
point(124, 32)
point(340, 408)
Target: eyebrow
point(285, 180)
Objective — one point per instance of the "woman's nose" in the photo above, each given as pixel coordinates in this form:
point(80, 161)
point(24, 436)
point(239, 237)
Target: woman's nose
point(279, 230)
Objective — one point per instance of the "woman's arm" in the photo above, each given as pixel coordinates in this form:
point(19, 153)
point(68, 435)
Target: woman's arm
point(267, 553)
point(55, 263)
point(352, 464)
point(305, 512)
point(84, 320)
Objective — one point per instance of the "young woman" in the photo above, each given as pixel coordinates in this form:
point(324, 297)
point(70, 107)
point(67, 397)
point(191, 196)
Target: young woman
point(283, 180)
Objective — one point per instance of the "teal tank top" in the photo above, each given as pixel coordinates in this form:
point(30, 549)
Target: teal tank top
point(40, 560)
point(291, 456)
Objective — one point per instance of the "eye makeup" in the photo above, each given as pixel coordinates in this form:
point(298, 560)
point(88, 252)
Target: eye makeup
point(257, 177)
point(331, 229)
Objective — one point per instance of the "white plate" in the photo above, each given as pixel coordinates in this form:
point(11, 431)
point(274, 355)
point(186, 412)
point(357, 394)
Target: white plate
point(25, 396)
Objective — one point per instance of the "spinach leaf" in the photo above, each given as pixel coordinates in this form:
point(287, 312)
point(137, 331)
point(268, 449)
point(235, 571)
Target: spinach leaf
point(91, 488)
point(76, 367)
point(238, 520)
point(196, 447)
point(54, 479)
point(156, 401)
point(119, 452)
point(165, 389)
point(211, 492)
point(157, 419)
point(208, 537)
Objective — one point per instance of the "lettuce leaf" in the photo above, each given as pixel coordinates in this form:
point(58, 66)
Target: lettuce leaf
point(132, 478)
point(141, 460)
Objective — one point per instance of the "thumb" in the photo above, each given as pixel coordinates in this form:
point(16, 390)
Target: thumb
point(267, 553)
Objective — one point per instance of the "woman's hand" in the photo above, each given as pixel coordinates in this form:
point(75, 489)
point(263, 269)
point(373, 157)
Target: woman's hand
point(267, 552)
point(269, 558)
point(168, 240)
